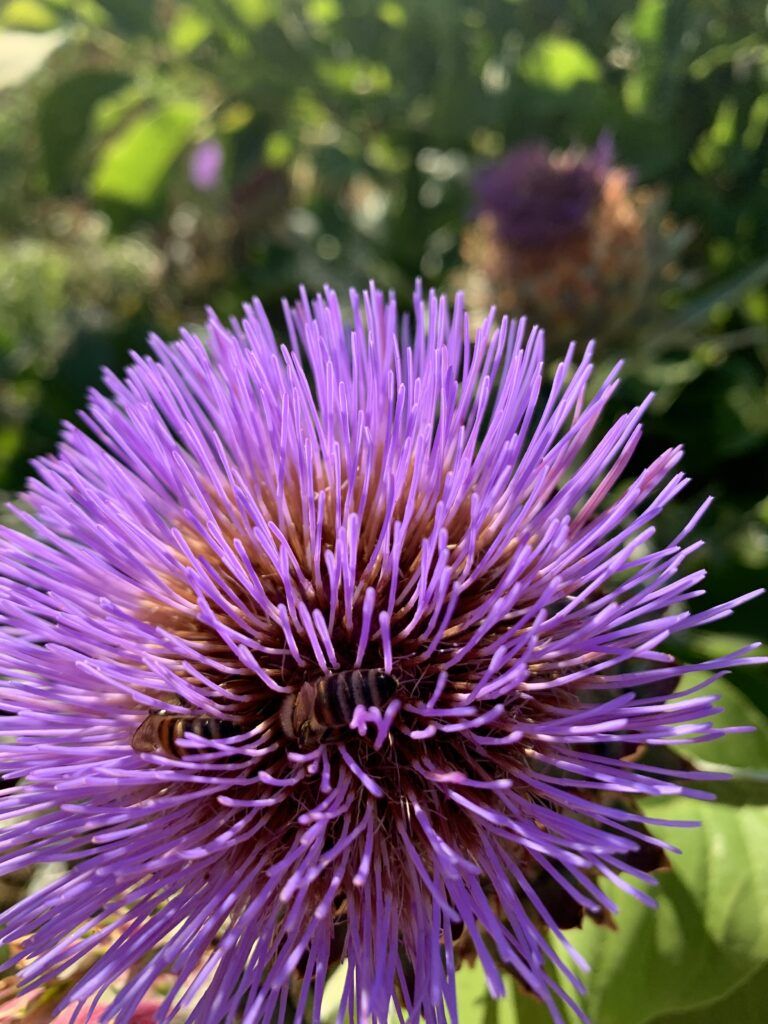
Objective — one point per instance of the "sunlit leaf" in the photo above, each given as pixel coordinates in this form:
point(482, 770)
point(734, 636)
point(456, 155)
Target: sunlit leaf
point(256, 12)
point(322, 12)
point(332, 994)
point(709, 933)
point(746, 1005)
point(749, 47)
point(24, 53)
point(475, 1005)
point(648, 20)
point(558, 63)
point(757, 123)
point(392, 13)
point(28, 14)
point(134, 163)
point(355, 76)
point(712, 147)
point(187, 30)
point(234, 117)
point(743, 755)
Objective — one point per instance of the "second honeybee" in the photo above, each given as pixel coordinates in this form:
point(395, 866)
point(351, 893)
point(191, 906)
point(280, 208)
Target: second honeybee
point(328, 704)
point(159, 732)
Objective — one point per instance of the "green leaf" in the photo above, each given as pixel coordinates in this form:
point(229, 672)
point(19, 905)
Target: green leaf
point(648, 20)
point(64, 116)
point(254, 13)
point(472, 994)
point(558, 63)
point(475, 1004)
point(728, 292)
point(28, 14)
point(528, 1009)
point(747, 1005)
point(743, 755)
point(332, 994)
point(757, 124)
point(135, 17)
point(134, 163)
point(187, 30)
point(234, 22)
point(709, 933)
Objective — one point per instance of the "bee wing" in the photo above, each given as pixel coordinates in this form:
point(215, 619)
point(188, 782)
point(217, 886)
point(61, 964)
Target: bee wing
point(146, 739)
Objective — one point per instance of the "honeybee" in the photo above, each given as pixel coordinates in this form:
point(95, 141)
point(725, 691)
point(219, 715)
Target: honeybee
point(329, 703)
point(159, 731)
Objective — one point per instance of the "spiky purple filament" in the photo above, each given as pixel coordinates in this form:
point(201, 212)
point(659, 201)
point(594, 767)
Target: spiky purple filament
point(242, 516)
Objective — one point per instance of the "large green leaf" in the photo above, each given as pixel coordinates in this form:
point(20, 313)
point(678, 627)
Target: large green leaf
point(474, 1003)
point(476, 1006)
point(527, 1009)
point(134, 163)
point(138, 16)
point(709, 933)
point(64, 115)
point(743, 755)
point(748, 1004)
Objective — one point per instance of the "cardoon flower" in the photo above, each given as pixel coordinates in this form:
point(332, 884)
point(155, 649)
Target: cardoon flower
point(538, 196)
point(245, 515)
point(567, 237)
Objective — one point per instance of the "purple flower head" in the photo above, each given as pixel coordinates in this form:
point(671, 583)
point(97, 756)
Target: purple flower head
point(205, 164)
point(538, 196)
point(241, 523)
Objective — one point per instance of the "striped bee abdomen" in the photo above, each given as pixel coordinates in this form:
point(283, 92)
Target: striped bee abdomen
point(160, 732)
point(341, 692)
point(329, 704)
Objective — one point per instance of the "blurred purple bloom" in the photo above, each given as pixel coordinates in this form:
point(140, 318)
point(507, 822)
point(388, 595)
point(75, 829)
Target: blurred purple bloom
point(538, 196)
point(244, 515)
point(206, 162)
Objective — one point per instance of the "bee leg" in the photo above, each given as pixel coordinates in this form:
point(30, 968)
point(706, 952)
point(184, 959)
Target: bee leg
point(286, 716)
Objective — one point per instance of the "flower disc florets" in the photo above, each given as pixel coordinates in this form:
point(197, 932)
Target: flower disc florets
point(242, 517)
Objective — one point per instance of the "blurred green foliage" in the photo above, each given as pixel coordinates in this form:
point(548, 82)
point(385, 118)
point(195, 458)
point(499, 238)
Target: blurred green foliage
point(350, 131)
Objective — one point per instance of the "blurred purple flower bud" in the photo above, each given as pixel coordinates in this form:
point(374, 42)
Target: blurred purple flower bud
point(205, 165)
point(538, 195)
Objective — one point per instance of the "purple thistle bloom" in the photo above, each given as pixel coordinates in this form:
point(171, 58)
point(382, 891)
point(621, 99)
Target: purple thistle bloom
point(242, 516)
point(205, 164)
point(538, 197)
